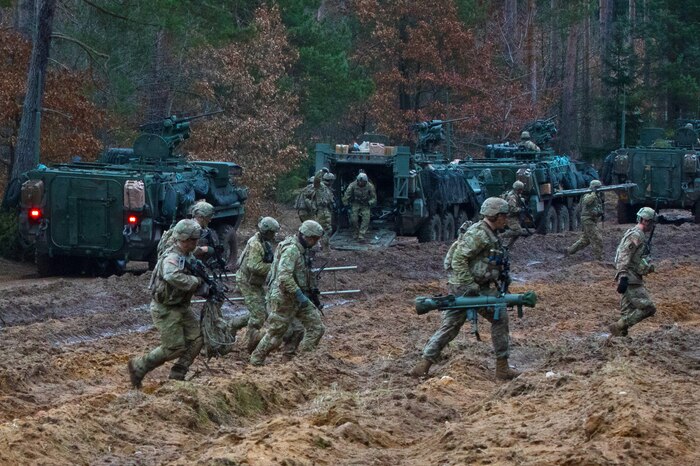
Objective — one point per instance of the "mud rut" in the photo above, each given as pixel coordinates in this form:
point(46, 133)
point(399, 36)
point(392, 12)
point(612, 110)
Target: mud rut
point(64, 395)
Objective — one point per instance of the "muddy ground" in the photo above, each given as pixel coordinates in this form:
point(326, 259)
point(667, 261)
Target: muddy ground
point(583, 399)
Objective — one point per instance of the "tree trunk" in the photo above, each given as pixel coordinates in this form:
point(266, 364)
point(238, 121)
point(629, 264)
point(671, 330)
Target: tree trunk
point(569, 110)
point(159, 91)
point(531, 50)
point(28, 140)
point(25, 17)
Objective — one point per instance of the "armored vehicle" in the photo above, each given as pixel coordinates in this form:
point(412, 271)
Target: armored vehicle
point(666, 172)
point(96, 216)
point(554, 184)
point(418, 194)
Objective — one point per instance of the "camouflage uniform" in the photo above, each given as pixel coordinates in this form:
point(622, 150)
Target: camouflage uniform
point(591, 213)
point(514, 208)
point(172, 287)
point(320, 201)
point(360, 199)
point(305, 208)
point(253, 268)
point(290, 275)
point(631, 261)
point(529, 145)
point(472, 268)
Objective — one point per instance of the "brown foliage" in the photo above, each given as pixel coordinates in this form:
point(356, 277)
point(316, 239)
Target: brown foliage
point(426, 64)
point(70, 121)
point(257, 127)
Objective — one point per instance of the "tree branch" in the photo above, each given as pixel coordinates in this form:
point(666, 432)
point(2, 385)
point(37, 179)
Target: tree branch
point(90, 51)
point(115, 15)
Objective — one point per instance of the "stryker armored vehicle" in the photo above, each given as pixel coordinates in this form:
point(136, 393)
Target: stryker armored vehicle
point(418, 194)
point(554, 184)
point(666, 172)
point(96, 216)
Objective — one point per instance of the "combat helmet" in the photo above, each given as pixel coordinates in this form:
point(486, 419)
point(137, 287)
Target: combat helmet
point(329, 177)
point(525, 135)
point(187, 229)
point(595, 184)
point(646, 213)
point(268, 224)
point(311, 228)
point(362, 176)
point(203, 209)
point(518, 185)
point(494, 206)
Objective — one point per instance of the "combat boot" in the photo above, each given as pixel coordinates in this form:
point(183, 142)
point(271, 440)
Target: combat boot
point(134, 375)
point(618, 329)
point(503, 370)
point(254, 338)
point(421, 369)
point(178, 372)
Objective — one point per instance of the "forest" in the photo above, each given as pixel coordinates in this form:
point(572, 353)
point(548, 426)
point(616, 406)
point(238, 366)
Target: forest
point(290, 73)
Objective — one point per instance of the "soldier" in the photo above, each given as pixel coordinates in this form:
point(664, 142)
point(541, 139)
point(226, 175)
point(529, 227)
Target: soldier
point(632, 262)
point(515, 208)
point(202, 213)
point(293, 295)
point(526, 143)
point(360, 195)
point(475, 271)
point(304, 206)
point(172, 287)
point(319, 203)
point(591, 214)
point(253, 268)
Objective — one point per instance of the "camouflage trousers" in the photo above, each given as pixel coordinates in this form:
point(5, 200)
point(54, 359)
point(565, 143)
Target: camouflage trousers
point(180, 339)
point(453, 320)
point(636, 305)
point(359, 211)
point(592, 235)
point(324, 218)
point(514, 230)
point(254, 298)
point(286, 323)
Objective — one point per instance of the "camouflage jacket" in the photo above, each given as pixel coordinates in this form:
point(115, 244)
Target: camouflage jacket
point(290, 270)
point(591, 207)
point(631, 260)
point(255, 261)
point(515, 203)
point(529, 145)
point(317, 196)
point(364, 196)
point(447, 262)
point(171, 283)
point(475, 258)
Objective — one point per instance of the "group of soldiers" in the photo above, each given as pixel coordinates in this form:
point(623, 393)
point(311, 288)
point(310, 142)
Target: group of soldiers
point(289, 307)
point(474, 265)
point(281, 291)
point(316, 202)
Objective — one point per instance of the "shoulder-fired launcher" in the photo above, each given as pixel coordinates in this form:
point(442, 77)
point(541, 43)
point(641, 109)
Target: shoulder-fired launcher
point(425, 304)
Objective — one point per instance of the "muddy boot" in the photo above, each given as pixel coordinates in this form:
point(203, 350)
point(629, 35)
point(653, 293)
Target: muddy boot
point(254, 338)
point(618, 329)
point(288, 357)
point(503, 370)
point(178, 372)
point(421, 369)
point(134, 375)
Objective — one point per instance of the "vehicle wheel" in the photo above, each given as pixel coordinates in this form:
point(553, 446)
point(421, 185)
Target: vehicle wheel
point(626, 213)
point(574, 218)
point(462, 217)
point(448, 227)
point(549, 222)
point(564, 219)
point(45, 265)
point(431, 230)
point(227, 236)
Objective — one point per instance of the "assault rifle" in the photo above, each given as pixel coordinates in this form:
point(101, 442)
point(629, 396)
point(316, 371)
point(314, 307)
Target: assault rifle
point(647, 245)
point(315, 294)
point(217, 289)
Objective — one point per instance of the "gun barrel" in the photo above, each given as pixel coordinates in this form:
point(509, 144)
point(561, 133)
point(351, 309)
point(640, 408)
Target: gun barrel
point(425, 304)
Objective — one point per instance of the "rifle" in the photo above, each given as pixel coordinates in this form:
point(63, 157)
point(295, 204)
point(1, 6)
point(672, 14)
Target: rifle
point(647, 245)
point(217, 289)
point(601, 198)
point(315, 293)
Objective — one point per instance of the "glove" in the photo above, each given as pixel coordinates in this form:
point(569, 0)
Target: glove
point(302, 299)
point(202, 290)
point(622, 285)
point(472, 290)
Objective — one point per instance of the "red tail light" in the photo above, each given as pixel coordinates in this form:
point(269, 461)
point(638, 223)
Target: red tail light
point(35, 214)
point(132, 220)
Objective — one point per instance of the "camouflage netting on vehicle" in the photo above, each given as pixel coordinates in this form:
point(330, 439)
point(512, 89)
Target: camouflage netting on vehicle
point(445, 186)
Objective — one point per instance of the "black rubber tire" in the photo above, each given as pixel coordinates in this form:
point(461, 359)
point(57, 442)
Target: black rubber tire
point(625, 213)
point(564, 221)
point(45, 265)
point(549, 222)
point(574, 218)
point(226, 234)
point(448, 227)
point(431, 230)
